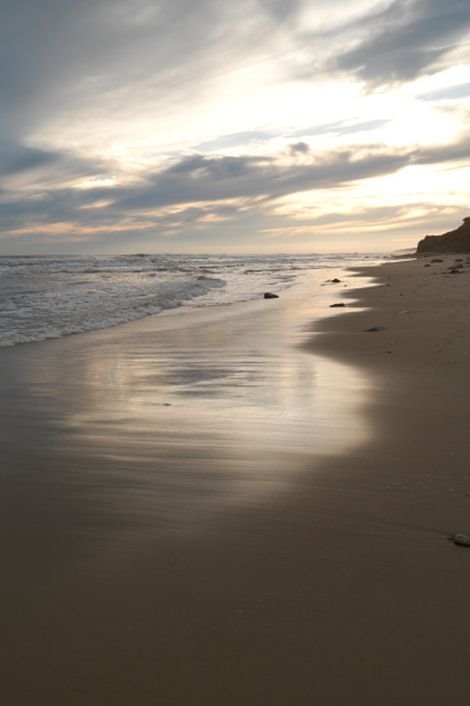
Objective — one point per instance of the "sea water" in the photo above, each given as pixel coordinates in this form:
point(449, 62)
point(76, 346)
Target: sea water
point(51, 297)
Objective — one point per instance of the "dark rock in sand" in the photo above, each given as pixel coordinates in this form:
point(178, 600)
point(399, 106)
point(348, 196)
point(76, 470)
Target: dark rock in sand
point(462, 540)
point(335, 306)
point(454, 271)
point(427, 265)
point(270, 295)
point(455, 241)
point(335, 280)
point(437, 259)
point(373, 329)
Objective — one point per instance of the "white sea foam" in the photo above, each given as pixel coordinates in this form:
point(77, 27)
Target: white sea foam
point(51, 297)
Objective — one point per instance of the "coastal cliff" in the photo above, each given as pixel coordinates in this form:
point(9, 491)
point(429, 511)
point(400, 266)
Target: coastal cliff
point(454, 241)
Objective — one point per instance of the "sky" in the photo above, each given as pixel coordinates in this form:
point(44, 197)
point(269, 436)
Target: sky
point(256, 126)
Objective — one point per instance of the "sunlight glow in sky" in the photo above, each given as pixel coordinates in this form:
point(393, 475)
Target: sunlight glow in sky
point(256, 126)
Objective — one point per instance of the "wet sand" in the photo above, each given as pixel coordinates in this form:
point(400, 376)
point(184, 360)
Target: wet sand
point(224, 507)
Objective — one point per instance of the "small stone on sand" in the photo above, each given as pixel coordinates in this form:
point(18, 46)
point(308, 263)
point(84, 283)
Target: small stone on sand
point(462, 540)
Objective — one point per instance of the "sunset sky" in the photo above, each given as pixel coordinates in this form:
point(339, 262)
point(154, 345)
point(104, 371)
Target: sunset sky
point(216, 126)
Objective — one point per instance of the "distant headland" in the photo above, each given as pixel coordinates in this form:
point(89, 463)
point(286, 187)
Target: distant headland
point(454, 241)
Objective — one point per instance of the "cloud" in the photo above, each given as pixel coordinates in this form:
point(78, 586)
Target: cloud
point(35, 170)
point(404, 40)
point(462, 90)
point(61, 55)
point(140, 82)
point(94, 59)
point(299, 148)
point(339, 127)
point(235, 139)
point(196, 189)
point(200, 178)
point(455, 152)
point(16, 158)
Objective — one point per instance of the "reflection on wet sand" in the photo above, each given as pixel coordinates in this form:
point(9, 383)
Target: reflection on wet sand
point(201, 412)
point(145, 534)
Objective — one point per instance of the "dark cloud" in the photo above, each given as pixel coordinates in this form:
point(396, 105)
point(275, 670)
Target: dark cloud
point(280, 9)
point(405, 39)
point(299, 148)
point(445, 153)
point(45, 167)
point(16, 158)
point(202, 178)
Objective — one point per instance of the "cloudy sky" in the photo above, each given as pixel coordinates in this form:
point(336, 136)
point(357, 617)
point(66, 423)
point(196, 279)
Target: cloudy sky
point(217, 126)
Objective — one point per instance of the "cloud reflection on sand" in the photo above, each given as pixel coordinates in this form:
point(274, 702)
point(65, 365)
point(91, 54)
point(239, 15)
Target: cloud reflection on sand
point(173, 421)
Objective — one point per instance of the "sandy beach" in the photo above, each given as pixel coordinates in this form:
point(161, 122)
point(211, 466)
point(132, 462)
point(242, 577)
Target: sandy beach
point(244, 506)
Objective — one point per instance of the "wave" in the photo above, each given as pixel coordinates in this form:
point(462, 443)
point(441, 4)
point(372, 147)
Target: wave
point(44, 297)
point(26, 317)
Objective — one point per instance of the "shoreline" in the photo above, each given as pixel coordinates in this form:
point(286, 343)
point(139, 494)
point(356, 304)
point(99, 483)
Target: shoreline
point(418, 360)
point(340, 587)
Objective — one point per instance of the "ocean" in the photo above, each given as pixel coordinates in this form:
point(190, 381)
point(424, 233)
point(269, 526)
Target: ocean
point(51, 297)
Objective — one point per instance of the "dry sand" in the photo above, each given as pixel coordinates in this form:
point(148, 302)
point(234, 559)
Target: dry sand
point(343, 588)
